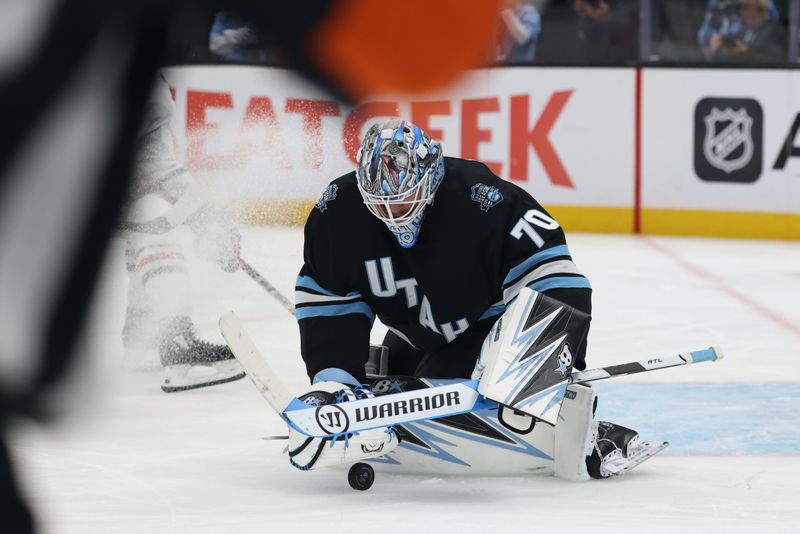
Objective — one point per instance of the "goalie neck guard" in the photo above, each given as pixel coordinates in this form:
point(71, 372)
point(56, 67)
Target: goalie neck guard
point(399, 169)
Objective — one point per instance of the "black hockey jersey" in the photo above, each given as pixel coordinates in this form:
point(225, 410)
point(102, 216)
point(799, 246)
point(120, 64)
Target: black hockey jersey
point(482, 240)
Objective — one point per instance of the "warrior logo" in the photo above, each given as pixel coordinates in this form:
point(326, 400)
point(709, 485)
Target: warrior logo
point(726, 131)
point(486, 196)
point(332, 419)
point(728, 134)
point(327, 196)
point(408, 406)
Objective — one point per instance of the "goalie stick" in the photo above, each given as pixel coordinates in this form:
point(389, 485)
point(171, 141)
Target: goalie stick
point(263, 282)
point(456, 397)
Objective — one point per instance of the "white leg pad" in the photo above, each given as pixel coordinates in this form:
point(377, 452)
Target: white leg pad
point(573, 433)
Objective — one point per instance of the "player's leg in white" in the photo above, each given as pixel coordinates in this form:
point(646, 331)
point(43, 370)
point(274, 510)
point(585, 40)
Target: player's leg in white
point(139, 333)
point(160, 304)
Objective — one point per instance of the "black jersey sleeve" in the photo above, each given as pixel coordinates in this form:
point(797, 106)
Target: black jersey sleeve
point(334, 320)
point(536, 256)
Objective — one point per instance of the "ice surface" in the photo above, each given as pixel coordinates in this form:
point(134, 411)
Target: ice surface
point(131, 459)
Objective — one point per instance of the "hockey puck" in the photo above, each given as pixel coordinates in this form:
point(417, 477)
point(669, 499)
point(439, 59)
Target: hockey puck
point(361, 476)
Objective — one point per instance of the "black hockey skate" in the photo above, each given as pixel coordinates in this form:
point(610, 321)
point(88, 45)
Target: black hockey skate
point(617, 449)
point(191, 363)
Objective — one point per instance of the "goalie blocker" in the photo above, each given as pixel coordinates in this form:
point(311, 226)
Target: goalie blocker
point(526, 359)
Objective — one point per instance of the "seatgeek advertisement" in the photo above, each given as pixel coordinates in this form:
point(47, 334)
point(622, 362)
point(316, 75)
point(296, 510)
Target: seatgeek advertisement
point(565, 135)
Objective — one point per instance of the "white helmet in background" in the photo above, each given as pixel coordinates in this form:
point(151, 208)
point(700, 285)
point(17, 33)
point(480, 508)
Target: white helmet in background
point(399, 169)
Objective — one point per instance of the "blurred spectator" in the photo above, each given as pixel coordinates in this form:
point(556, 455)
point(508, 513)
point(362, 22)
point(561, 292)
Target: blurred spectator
point(673, 31)
point(601, 32)
point(723, 20)
point(233, 39)
point(759, 37)
point(520, 26)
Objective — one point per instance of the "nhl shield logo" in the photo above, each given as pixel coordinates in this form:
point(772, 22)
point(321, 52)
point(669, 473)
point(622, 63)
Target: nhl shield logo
point(726, 132)
point(728, 139)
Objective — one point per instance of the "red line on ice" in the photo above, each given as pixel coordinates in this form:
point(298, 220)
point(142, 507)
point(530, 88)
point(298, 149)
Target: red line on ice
point(741, 297)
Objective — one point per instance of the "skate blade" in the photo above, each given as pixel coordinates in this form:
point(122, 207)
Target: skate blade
point(621, 464)
point(185, 377)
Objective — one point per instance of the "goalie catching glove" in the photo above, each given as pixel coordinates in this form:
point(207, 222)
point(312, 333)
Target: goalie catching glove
point(306, 452)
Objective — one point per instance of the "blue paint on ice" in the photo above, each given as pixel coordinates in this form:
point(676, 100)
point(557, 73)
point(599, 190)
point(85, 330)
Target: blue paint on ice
point(715, 419)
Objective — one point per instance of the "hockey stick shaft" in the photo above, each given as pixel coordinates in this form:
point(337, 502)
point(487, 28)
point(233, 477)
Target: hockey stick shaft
point(710, 354)
point(263, 282)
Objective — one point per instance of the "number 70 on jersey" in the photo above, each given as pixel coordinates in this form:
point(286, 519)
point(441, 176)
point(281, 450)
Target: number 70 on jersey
point(525, 226)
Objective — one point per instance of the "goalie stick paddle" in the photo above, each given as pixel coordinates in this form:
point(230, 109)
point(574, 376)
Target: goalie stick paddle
point(256, 368)
point(457, 397)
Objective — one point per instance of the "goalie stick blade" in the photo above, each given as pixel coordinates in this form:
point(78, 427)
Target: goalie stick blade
point(256, 368)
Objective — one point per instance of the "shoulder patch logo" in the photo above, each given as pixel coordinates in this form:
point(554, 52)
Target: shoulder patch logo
point(328, 195)
point(487, 196)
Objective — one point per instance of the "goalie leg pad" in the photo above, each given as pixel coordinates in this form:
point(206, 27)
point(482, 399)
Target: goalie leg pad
point(573, 433)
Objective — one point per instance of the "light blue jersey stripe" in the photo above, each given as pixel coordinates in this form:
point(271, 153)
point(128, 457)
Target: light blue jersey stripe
point(560, 282)
point(539, 257)
point(310, 283)
point(334, 309)
point(492, 311)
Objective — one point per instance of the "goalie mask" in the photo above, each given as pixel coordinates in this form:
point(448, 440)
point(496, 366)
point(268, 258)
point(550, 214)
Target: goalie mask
point(399, 169)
